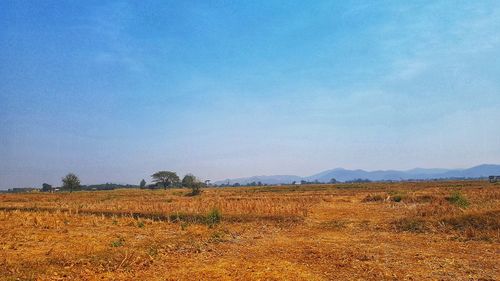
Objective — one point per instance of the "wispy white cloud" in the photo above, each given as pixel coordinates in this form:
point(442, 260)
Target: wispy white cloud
point(108, 25)
point(437, 34)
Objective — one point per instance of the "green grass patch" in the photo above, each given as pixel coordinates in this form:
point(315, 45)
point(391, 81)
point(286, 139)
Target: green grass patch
point(213, 217)
point(458, 200)
point(118, 243)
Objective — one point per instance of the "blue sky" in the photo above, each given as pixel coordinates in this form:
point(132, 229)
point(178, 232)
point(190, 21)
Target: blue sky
point(116, 90)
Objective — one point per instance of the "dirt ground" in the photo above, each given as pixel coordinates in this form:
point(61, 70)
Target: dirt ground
point(370, 231)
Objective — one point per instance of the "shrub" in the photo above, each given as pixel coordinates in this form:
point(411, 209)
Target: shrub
point(425, 199)
point(458, 200)
point(152, 251)
point(140, 224)
point(480, 221)
point(195, 189)
point(411, 225)
point(118, 243)
point(184, 225)
point(217, 237)
point(190, 181)
point(475, 226)
point(438, 208)
point(373, 198)
point(397, 196)
point(214, 217)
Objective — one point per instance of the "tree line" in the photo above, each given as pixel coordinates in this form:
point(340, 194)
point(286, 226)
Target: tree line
point(161, 179)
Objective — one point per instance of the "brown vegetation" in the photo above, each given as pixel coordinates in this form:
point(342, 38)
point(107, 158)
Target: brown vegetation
point(397, 231)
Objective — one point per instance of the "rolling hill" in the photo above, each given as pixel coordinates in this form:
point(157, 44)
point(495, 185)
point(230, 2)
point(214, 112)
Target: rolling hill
point(340, 174)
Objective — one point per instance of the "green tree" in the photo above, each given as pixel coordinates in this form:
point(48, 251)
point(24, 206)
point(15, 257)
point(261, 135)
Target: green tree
point(71, 182)
point(143, 183)
point(165, 178)
point(189, 180)
point(196, 188)
point(46, 187)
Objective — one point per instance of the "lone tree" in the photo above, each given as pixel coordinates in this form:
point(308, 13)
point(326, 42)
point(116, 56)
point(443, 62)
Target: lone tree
point(165, 178)
point(71, 182)
point(46, 187)
point(142, 184)
point(188, 180)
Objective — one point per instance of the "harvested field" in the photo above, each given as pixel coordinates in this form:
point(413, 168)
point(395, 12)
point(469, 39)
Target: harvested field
point(377, 231)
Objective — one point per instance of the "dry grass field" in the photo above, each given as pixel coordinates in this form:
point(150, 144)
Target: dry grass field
point(375, 231)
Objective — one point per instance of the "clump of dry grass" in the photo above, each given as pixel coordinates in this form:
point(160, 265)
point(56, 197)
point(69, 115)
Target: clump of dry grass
point(449, 214)
point(336, 224)
point(435, 209)
point(398, 196)
point(485, 220)
point(374, 198)
point(412, 224)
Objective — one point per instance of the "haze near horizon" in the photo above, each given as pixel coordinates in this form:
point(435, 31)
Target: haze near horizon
point(118, 90)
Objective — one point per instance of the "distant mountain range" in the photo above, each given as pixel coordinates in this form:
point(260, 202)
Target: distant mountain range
point(382, 175)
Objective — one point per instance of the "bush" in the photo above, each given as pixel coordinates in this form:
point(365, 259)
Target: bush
point(479, 221)
point(214, 217)
point(373, 198)
point(184, 225)
point(397, 196)
point(425, 199)
point(411, 225)
point(152, 251)
point(218, 237)
point(475, 226)
point(438, 208)
point(196, 189)
point(458, 200)
point(118, 243)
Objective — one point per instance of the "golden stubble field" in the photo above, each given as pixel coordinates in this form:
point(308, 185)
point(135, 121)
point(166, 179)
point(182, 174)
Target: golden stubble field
point(375, 231)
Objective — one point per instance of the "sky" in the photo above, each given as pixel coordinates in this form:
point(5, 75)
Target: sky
point(117, 90)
